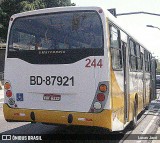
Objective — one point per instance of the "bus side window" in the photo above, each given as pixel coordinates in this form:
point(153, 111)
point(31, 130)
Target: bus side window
point(138, 54)
point(147, 61)
point(133, 58)
point(116, 51)
point(141, 58)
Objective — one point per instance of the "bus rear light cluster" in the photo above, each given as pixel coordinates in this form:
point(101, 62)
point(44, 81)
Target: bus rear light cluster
point(9, 94)
point(7, 87)
point(100, 97)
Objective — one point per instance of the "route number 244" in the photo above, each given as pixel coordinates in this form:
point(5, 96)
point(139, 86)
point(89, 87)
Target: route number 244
point(93, 63)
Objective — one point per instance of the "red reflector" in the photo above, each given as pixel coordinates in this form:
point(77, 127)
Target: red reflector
point(9, 93)
point(89, 120)
point(16, 114)
point(101, 97)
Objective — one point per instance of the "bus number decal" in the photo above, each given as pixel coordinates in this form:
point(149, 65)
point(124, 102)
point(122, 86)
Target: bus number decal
point(93, 63)
point(52, 80)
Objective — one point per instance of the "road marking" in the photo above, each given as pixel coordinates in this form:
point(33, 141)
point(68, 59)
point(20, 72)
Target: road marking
point(150, 124)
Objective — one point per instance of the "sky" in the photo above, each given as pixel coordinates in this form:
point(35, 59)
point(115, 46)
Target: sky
point(149, 37)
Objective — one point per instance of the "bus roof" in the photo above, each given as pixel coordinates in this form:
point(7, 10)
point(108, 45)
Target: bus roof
point(55, 9)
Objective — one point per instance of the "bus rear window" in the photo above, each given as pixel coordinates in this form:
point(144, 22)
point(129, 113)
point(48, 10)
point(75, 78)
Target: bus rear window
point(69, 30)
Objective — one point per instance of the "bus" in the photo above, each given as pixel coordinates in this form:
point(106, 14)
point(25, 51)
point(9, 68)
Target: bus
point(74, 66)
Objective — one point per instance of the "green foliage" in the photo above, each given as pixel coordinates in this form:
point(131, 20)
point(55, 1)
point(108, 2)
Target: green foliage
point(56, 3)
point(10, 7)
point(31, 5)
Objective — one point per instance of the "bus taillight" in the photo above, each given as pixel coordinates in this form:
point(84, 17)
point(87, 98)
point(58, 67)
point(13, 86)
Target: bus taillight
point(8, 93)
point(103, 88)
point(100, 97)
point(97, 105)
point(7, 86)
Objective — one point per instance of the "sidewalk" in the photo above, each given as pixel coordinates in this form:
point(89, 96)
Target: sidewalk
point(158, 130)
point(158, 133)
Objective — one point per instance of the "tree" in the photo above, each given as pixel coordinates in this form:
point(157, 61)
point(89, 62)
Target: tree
point(31, 5)
point(56, 3)
point(10, 7)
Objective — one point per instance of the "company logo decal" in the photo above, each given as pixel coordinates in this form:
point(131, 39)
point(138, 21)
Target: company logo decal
point(51, 52)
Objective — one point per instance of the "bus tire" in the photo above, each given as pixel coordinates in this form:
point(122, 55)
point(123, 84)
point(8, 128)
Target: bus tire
point(134, 120)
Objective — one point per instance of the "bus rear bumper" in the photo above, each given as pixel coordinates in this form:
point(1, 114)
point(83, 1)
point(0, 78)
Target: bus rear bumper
point(102, 119)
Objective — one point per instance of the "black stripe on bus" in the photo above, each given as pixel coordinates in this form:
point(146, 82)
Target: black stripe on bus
point(55, 56)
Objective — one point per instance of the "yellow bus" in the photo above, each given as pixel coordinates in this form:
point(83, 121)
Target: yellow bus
point(74, 66)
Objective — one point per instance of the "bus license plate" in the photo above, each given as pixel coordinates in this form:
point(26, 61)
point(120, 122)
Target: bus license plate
point(52, 97)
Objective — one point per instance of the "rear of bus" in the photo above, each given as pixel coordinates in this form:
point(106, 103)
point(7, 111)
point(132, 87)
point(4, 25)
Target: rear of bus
point(57, 67)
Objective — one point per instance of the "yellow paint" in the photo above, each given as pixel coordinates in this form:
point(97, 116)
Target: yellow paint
point(117, 98)
point(102, 119)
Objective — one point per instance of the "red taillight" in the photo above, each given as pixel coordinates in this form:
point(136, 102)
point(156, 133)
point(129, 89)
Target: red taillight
point(8, 93)
point(101, 97)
